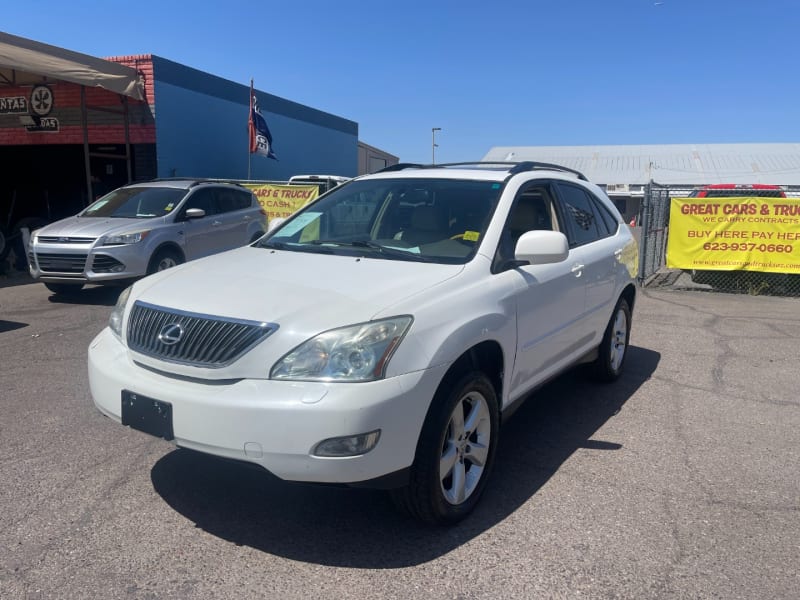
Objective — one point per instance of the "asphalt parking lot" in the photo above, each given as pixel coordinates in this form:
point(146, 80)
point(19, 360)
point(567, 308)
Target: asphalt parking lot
point(682, 480)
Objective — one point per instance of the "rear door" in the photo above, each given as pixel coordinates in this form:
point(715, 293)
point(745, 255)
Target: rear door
point(236, 215)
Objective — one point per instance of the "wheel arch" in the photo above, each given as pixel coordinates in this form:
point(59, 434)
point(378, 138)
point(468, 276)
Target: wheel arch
point(168, 245)
point(629, 293)
point(485, 357)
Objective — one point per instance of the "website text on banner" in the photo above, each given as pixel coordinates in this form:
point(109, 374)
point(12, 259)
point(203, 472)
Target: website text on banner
point(281, 201)
point(732, 234)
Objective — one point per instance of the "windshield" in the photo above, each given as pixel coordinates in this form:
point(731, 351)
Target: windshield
point(136, 203)
point(432, 220)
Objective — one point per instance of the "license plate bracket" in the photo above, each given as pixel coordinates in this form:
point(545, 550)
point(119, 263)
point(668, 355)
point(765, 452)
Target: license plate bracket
point(147, 414)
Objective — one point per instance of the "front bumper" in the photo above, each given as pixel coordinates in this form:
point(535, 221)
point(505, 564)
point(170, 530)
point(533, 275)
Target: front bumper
point(275, 424)
point(79, 263)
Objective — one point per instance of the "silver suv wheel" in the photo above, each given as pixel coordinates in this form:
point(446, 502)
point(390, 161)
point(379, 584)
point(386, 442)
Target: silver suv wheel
point(455, 451)
point(466, 447)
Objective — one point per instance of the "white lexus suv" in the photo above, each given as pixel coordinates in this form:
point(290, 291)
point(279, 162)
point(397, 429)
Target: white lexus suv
point(379, 336)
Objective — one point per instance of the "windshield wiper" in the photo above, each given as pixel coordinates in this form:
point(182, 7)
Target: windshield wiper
point(271, 244)
point(295, 247)
point(388, 251)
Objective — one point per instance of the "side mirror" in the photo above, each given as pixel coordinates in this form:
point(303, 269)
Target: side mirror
point(275, 223)
point(542, 247)
point(195, 213)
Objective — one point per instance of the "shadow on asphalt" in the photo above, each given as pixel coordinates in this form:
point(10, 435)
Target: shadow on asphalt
point(94, 296)
point(361, 528)
point(15, 278)
point(11, 325)
point(98, 295)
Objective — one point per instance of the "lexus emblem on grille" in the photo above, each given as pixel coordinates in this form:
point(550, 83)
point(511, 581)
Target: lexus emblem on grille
point(170, 334)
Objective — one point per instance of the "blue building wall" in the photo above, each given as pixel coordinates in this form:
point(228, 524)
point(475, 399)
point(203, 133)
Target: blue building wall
point(201, 130)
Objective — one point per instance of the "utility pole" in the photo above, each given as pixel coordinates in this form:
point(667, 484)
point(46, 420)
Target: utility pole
point(434, 145)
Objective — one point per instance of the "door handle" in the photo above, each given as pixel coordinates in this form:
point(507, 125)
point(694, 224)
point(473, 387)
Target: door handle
point(248, 217)
point(216, 223)
point(618, 253)
point(577, 269)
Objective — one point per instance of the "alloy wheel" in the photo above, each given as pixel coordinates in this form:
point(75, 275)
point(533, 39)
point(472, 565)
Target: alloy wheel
point(466, 448)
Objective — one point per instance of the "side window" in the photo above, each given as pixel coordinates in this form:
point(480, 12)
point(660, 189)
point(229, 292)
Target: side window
point(608, 219)
point(579, 215)
point(532, 209)
point(231, 199)
point(204, 199)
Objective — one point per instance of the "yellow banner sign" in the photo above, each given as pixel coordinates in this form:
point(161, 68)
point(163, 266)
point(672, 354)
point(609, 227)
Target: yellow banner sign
point(283, 200)
point(732, 234)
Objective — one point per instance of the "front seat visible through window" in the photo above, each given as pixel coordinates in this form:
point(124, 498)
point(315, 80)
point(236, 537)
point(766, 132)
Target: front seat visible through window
point(428, 224)
point(530, 213)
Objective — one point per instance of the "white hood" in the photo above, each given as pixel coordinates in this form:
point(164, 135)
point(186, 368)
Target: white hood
point(303, 293)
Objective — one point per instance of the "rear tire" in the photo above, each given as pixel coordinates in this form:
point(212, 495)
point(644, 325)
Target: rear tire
point(455, 453)
point(614, 347)
point(64, 288)
point(164, 259)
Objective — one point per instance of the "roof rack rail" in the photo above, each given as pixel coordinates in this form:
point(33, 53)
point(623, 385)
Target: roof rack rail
point(529, 165)
point(194, 180)
point(514, 167)
point(400, 167)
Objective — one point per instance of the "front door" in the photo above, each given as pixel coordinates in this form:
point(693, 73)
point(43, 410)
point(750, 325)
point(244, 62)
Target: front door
point(204, 235)
point(549, 299)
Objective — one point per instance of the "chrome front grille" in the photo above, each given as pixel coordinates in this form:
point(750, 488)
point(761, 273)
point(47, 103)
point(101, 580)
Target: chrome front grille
point(54, 239)
point(190, 338)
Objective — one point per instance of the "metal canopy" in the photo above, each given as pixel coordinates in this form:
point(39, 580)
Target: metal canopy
point(24, 61)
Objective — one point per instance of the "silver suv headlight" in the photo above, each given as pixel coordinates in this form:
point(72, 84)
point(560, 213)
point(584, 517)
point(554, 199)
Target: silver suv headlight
point(354, 353)
point(115, 320)
point(124, 238)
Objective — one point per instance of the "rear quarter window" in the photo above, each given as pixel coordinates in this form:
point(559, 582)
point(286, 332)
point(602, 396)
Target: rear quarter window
point(580, 215)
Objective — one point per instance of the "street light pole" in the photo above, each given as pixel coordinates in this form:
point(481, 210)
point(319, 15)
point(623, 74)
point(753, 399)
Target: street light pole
point(434, 144)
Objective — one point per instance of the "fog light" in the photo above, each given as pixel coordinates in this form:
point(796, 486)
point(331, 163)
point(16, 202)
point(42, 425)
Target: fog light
point(351, 445)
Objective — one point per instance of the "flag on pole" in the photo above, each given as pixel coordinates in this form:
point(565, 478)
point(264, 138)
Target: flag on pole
point(260, 136)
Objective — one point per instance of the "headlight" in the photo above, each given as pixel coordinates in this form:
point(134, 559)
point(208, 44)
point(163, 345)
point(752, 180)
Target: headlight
point(115, 320)
point(125, 238)
point(355, 353)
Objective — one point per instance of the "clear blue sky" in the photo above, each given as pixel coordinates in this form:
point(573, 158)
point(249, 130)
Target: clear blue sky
point(489, 73)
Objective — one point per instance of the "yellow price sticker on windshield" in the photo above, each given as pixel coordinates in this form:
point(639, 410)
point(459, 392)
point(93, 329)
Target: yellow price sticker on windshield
point(472, 236)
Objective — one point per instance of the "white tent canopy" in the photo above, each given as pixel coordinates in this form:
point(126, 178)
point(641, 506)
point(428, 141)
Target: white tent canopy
point(24, 61)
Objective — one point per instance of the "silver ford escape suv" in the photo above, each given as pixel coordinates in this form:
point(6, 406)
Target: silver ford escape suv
point(142, 228)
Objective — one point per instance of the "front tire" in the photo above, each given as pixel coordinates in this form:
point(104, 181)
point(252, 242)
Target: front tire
point(455, 453)
point(164, 259)
point(614, 347)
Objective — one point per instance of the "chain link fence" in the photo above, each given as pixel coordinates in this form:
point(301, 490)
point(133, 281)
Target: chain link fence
point(653, 245)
